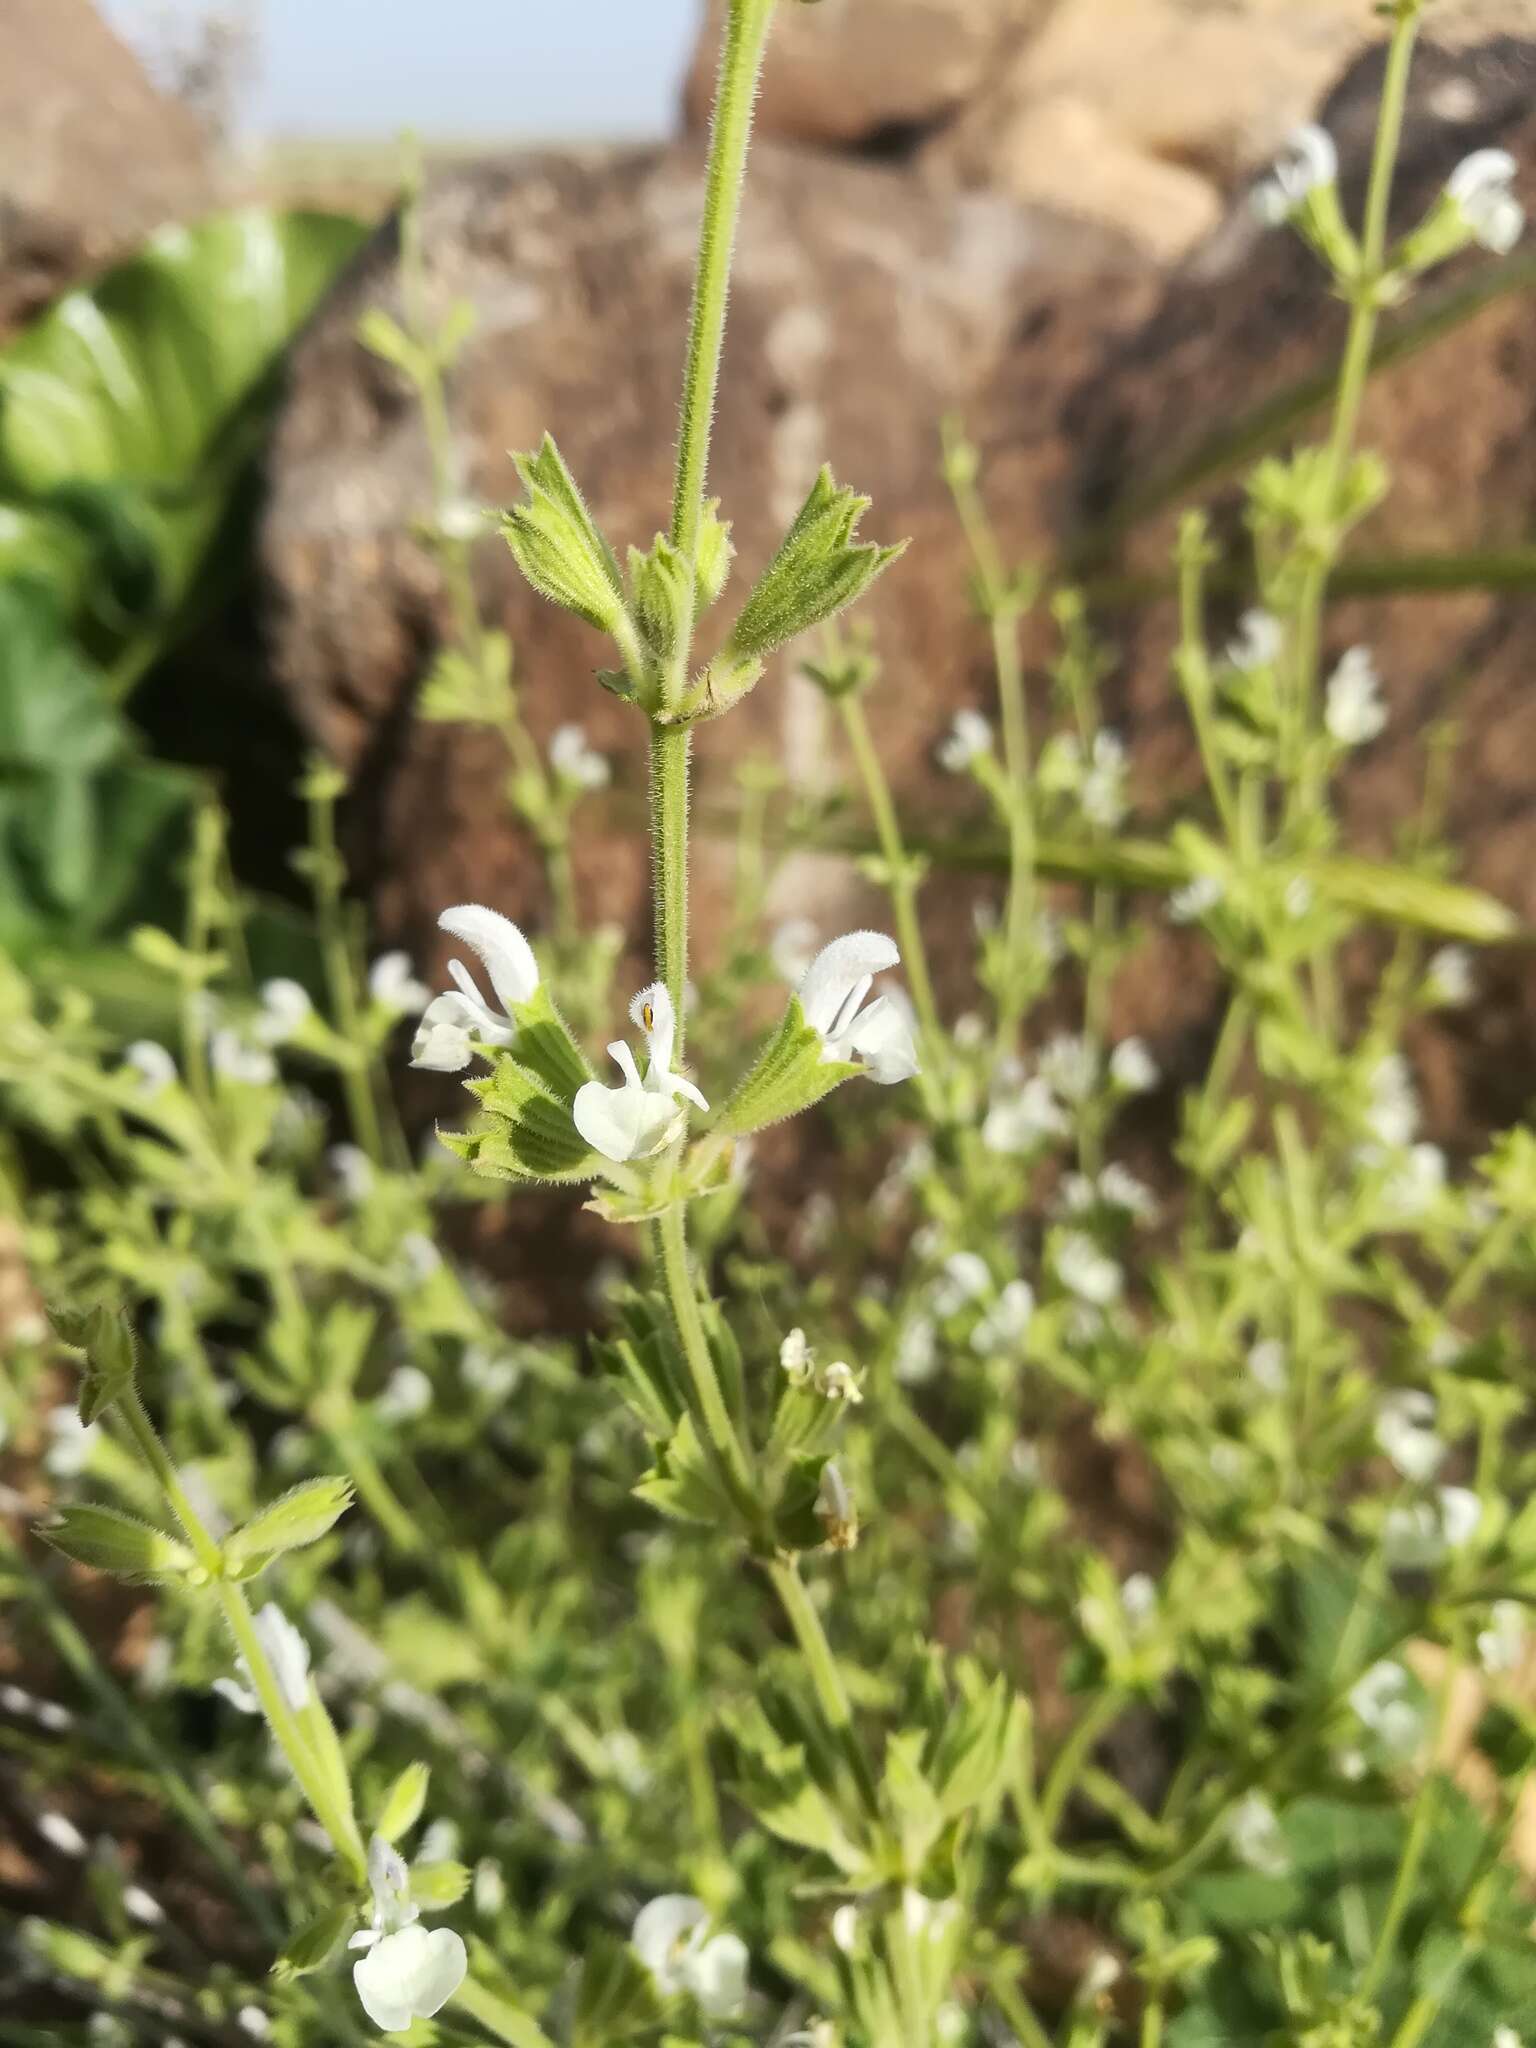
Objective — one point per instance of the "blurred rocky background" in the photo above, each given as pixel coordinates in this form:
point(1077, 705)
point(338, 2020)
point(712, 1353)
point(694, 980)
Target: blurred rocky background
point(1028, 213)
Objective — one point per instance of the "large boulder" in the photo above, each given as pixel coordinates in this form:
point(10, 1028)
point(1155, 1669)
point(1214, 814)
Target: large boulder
point(92, 157)
point(864, 309)
point(1140, 114)
point(868, 305)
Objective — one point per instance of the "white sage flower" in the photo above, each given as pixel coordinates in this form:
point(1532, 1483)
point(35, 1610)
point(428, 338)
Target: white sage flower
point(792, 948)
point(1103, 796)
point(1405, 1431)
point(60, 1833)
point(1121, 1189)
point(576, 761)
point(1501, 1646)
point(234, 1058)
point(459, 1020)
point(1422, 1534)
point(1385, 1702)
point(1132, 1068)
point(1307, 162)
point(1269, 1365)
point(1449, 979)
point(1354, 713)
point(286, 1652)
point(1023, 1120)
point(1480, 186)
point(285, 1009)
point(968, 738)
point(1006, 1323)
point(672, 1938)
point(797, 1359)
point(1258, 642)
point(1195, 900)
point(839, 1384)
point(832, 996)
point(154, 1066)
point(394, 986)
point(1069, 1066)
point(1392, 1114)
point(641, 1116)
point(408, 1973)
point(1416, 1185)
point(72, 1443)
point(966, 1277)
point(1254, 1832)
point(835, 1508)
point(354, 1171)
point(916, 1358)
point(407, 1394)
point(1087, 1272)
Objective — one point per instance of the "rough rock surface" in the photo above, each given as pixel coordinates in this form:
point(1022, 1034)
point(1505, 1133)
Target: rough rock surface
point(859, 319)
point(92, 157)
point(864, 309)
point(1138, 113)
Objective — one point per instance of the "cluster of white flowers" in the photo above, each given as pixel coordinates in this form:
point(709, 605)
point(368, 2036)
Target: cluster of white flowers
point(576, 761)
point(1258, 643)
point(968, 738)
point(1086, 1271)
point(1115, 1188)
point(1195, 900)
point(1386, 1703)
point(1422, 1534)
point(1022, 1114)
point(1405, 1432)
point(1005, 1324)
point(835, 1382)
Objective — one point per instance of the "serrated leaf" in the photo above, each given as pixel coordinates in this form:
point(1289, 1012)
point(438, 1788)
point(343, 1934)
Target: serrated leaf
point(301, 1516)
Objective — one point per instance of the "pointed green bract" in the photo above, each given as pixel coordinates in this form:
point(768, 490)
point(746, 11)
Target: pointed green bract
point(557, 545)
point(525, 1133)
point(791, 1074)
point(546, 1046)
point(118, 1544)
point(300, 1517)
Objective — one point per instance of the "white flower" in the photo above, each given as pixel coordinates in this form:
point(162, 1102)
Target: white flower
point(671, 1937)
point(967, 740)
point(832, 998)
point(1269, 1365)
point(1423, 1534)
point(1103, 793)
point(460, 1019)
point(1307, 161)
point(489, 1372)
point(409, 1976)
point(1138, 1602)
point(1086, 1271)
point(1299, 896)
point(966, 1278)
point(1258, 643)
point(1501, 1645)
point(1405, 1431)
point(1384, 1700)
point(1355, 712)
point(1132, 1068)
point(1018, 1123)
point(394, 987)
point(1121, 1189)
point(792, 949)
point(1449, 980)
point(142, 1906)
point(419, 1256)
point(1195, 900)
point(353, 1169)
point(285, 1009)
point(61, 1833)
point(797, 1359)
point(407, 1393)
point(576, 761)
point(286, 1652)
point(1392, 1116)
point(490, 1893)
point(639, 1118)
point(1006, 1324)
point(152, 1063)
point(1070, 1066)
point(1480, 186)
point(234, 1058)
point(72, 1445)
point(917, 1352)
point(838, 1383)
point(1505, 2037)
point(1416, 1185)
point(1254, 1831)
point(835, 1509)
point(845, 1928)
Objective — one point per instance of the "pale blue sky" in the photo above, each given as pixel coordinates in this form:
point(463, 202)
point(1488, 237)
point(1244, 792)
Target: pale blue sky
point(475, 68)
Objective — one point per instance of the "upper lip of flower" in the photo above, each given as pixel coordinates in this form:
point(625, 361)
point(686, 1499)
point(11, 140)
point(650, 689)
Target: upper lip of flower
point(832, 999)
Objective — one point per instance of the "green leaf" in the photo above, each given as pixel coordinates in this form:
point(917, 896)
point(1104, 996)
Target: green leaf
point(556, 544)
point(616, 1995)
point(403, 1803)
point(684, 1484)
point(301, 1516)
point(437, 1886)
point(316, 1943)
point(118, 1544)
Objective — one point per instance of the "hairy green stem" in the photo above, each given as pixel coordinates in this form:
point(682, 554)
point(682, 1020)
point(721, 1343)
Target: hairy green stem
point(831, 1694)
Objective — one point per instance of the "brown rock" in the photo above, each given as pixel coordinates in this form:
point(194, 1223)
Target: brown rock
point(864, 309)
point(867, 74)
point(92, 158)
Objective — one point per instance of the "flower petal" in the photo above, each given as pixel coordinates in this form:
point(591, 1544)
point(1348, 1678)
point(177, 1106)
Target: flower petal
point(661, 1935)
point(612, 1120)
point(882, 1037)
point(507, 954)
point(410, 1975)
point(838, 969)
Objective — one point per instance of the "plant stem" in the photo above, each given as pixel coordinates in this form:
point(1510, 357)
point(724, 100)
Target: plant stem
point(670, 749)
point(340, 975)
point(902, 878)
point(672, 1239)
point(746, 35)
point(831, 1696)
point(1021, 817)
